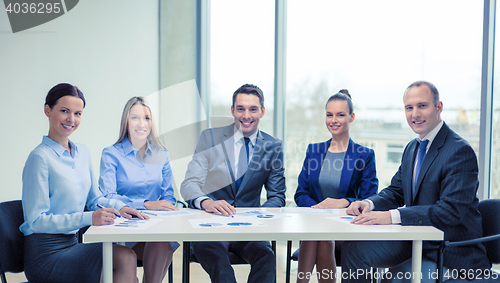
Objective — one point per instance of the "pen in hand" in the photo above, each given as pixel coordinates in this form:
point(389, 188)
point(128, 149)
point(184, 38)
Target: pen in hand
point(100, 206)
point(218, 214)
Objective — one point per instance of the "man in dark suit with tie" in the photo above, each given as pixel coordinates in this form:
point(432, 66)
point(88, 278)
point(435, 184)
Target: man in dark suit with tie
point(229, 168)
point(436, 185)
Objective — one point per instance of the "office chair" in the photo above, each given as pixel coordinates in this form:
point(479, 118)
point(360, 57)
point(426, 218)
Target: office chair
point(188, 257)
point(11, 239)
point(490, 211)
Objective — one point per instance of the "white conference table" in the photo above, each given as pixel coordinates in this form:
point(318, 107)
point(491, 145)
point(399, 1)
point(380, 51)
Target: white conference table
point(293, 227)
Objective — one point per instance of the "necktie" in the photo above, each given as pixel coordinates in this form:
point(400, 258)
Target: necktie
point(422, 148)
point(242, 163)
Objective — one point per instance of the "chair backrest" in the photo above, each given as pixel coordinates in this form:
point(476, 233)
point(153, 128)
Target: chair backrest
point(11, 239)
point(490, 213)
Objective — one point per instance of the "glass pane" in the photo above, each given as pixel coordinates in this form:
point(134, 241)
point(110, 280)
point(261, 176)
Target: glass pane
point(495, 147)
point(375, 49)
point(242, 51)
point(394, 157)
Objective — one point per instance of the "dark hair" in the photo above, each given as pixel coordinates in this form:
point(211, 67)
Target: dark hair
point(434, 91)
point(343, 94)
point(61, 90)
point(250, 89)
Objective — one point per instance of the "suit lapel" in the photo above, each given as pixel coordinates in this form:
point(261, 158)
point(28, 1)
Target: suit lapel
point(431, 155)
point(409, 158)
point(228, 141)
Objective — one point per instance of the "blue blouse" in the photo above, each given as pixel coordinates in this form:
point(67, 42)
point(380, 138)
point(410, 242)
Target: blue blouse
point(56, 187)
point(126, 176)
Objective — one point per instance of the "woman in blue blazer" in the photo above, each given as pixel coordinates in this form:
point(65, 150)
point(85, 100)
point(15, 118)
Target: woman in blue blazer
point(334, 174)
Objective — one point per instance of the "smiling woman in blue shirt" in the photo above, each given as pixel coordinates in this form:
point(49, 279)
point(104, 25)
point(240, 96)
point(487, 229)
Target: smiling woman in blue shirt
point(58, 182)
point(136, 170)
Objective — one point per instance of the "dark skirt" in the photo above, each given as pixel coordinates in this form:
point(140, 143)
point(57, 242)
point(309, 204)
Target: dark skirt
point(60, 258)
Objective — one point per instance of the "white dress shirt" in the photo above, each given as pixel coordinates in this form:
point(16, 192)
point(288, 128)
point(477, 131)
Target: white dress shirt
point(395, 214)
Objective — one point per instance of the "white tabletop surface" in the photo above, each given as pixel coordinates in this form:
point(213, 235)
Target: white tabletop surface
point(294, 226)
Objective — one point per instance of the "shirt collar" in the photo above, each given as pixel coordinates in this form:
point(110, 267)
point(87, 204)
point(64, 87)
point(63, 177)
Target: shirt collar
point(57, 148)
point(432, 134)
point(239, 135)
point(128, 147)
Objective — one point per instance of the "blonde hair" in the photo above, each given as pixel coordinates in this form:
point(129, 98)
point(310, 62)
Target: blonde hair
point(153, 137)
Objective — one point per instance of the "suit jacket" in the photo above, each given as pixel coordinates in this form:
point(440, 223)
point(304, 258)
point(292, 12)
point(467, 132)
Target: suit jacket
point(358, 178)
point(446, 197)
point(208, 172)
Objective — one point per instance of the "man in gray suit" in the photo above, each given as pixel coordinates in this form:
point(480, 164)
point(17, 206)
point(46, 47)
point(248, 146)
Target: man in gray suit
point(229, 168)
point(436, 185)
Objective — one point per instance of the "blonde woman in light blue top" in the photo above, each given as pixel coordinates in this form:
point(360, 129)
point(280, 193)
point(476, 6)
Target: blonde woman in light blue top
point(136, 170)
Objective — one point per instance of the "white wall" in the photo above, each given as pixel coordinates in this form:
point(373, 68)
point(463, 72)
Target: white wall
point(109, 49)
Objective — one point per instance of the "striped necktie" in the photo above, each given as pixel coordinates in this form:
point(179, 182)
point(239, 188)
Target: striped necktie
point(422, 148)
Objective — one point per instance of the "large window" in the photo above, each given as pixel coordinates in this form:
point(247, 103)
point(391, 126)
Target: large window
point(242, 51)
point(375, 49)
point(495, 133)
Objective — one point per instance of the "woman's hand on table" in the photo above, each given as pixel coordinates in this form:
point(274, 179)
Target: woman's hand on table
point(129, 212)
point(332, 203)
point(104, 216)
point(159, 205)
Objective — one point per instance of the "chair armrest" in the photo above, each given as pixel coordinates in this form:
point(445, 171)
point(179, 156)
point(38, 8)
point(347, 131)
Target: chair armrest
point(445, 244)
point(473, 241)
